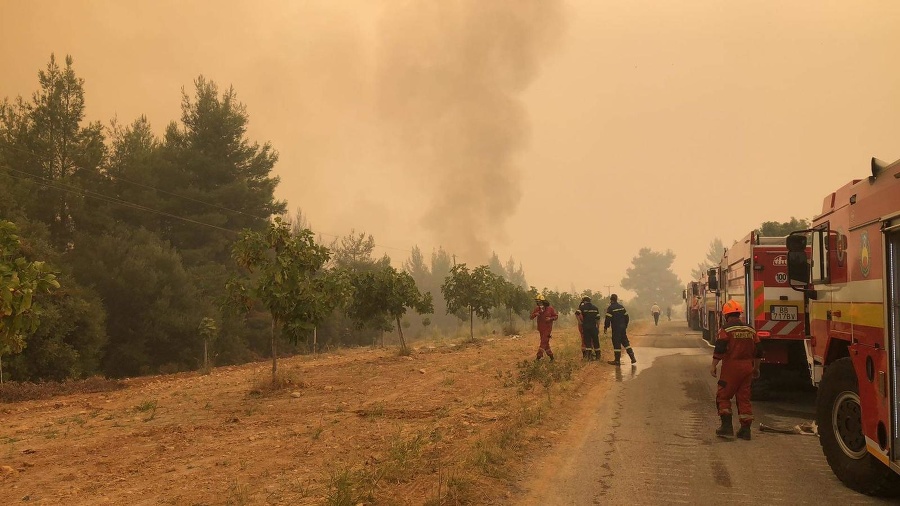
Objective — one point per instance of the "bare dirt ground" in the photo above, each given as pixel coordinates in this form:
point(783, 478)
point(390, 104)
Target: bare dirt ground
point(449, 424)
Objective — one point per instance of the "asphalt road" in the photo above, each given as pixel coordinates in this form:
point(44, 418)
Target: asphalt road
point(650, 440)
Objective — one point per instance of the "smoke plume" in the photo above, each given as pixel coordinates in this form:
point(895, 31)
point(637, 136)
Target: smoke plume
point(448, 79)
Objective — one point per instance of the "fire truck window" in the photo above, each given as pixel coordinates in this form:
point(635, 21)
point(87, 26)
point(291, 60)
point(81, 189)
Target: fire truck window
point(819, 258)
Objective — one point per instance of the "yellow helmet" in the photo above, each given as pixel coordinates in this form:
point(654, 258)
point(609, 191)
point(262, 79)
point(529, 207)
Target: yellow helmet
point(731, 307)
point(539, 297)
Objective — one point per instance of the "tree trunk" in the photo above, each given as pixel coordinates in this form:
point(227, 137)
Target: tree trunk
point(274, 353)
point(1, 368)
point(400, 331)
point(471, 323)
point(205, 354)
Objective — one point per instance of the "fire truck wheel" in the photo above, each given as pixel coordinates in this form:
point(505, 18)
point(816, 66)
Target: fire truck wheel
point(839, 416)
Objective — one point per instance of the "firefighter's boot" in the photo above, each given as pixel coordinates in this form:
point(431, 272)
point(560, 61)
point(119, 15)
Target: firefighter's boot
point(585, 354)
point(596, 354)
point(726, 430)
point(616, 361)
point(631, 354)
point(744, 432)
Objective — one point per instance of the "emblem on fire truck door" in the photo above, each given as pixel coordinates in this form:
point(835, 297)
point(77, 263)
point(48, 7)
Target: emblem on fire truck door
point(864, 259)
point(841, 246)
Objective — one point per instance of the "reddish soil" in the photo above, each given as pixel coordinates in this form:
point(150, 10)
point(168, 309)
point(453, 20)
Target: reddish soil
point(449, 424)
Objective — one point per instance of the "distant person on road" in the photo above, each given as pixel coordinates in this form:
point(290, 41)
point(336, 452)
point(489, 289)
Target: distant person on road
point(590, 317)
point(617, 318)
point(669, 313)
point(545, 315)
point(654, 310)
point(737, 347)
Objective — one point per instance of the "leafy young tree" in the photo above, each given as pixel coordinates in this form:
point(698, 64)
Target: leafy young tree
point(208, 330)
point(515, 299)
point(781, 229)
point(652, 279)
point(470, 292)
point(385, 295)
point(288, 279)
point(20, 282)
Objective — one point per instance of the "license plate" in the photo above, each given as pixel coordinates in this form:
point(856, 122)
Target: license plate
point(783, 313)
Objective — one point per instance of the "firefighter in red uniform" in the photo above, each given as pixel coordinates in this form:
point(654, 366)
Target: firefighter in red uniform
point(545, 315)
point(737, 348)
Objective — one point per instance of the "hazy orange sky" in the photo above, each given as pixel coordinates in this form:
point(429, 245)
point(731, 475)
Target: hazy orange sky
point(567, 134)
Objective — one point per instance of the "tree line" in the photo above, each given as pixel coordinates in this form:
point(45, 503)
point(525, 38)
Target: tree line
point(140, 254)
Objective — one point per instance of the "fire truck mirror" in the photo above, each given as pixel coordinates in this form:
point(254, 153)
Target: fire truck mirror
point(796, 243)
point(798, 268)
point(711, 281)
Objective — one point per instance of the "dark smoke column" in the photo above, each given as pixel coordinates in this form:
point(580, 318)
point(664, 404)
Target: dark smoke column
point(449, 76)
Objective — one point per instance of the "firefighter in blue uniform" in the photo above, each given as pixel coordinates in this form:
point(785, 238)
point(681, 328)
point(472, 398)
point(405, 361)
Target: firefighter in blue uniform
point(590, 320)
point(617, 318)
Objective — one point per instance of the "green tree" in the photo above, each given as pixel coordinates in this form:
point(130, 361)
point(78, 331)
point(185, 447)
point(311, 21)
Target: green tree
point(289, 280)
point(384, 295)
point(782, 228)
point(516, 300)
point(470, 293)
point(515, 274)
point(652, 279)
point(211, 173)
point(713, 256)
point(208, 330)
point(152, 302)
point(53, 156)
point(20, 282)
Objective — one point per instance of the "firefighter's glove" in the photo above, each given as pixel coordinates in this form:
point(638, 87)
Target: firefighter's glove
point(712, 371)
point(755, 373)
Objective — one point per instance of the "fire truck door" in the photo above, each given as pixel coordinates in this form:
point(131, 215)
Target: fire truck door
point(892, 308)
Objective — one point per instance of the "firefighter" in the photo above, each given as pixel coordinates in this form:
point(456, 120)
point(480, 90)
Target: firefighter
point(545, 315)
point(590, 315)
point(617, 318)
point(654, 310)
point(737, 348)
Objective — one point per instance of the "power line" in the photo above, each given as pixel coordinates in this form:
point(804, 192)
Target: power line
point(133, 205)
point(111, 200)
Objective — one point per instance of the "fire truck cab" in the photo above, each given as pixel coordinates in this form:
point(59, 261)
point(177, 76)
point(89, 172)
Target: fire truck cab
point(848, 267)
point(691, 296)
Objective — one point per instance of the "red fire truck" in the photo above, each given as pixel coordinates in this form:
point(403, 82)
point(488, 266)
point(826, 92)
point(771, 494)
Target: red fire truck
point(850, 275)
point(709, 305)
point(754, 273)
point(691, 296)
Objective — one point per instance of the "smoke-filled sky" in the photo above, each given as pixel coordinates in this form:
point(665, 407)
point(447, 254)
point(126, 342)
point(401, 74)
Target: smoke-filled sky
point(567, 134)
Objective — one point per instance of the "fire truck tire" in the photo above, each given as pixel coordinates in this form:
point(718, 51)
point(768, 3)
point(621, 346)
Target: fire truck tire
point(839, 417)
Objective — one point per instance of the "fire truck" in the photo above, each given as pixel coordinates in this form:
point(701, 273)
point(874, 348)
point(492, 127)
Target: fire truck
point(709, 305)
point(848, 267)
point(691, 296)
point(754, 273)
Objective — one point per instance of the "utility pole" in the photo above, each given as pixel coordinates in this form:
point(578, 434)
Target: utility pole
point(608, 287)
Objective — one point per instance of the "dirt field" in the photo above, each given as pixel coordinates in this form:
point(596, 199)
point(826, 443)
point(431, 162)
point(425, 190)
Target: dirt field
point(449, 424)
